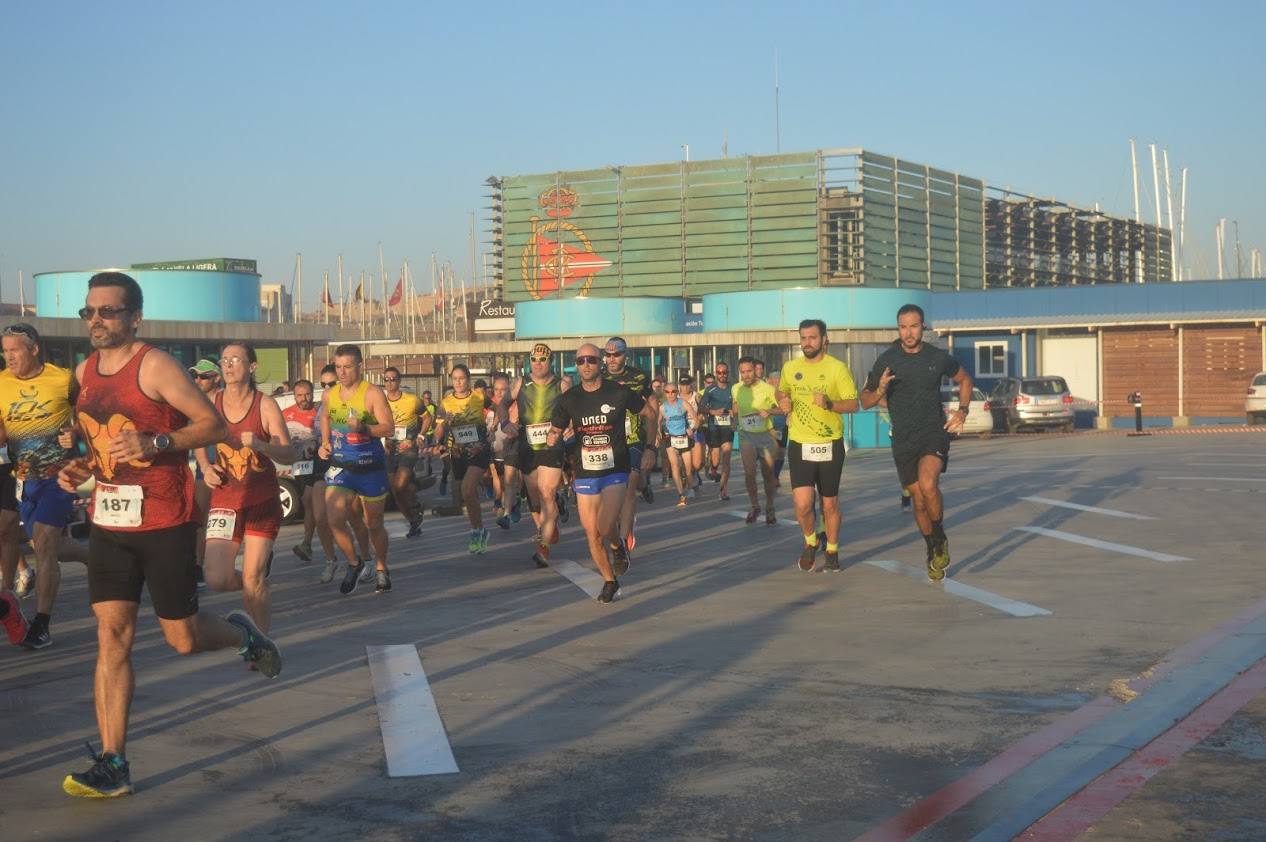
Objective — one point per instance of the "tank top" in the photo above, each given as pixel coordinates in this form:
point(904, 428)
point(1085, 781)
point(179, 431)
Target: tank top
point(132, 496)
point(35, 410)
point(250, 477)
point(352, 450)
point(536, 407)
point(675, 417)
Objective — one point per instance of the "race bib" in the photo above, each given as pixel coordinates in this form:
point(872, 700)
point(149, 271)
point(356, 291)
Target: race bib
point(816, 452)
point(538, 434)
point(597, 458)
point(301, 469)
point(117, 505)
point(723, 420)
point(221, 524)
point(401, 434)
point(680, 442)
point(466, 434)
point(332, 474)
point(753, 423)
point(628, 426)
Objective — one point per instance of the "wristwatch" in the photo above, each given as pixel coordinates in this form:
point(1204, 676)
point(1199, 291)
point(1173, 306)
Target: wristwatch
point(162, 442)
point(964, 409)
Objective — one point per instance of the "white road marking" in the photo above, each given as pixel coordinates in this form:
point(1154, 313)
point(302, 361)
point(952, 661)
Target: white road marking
point(1220, 479)
point(1004, 604)
point(1229, 464)
point(1102, 545)
point(413, 734)
point(583, 578)
point(1095, 509)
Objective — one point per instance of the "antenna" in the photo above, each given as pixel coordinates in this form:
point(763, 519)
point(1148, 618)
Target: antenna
point(1169, 216)
point(1239, 264)
point(1182, 224)
point(1134, 168)
point(777, 124)
point(1220, 232)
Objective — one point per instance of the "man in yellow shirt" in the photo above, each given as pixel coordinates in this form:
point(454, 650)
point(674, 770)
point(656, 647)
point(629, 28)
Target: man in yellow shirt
point(409, 414)
point(754, 403)
point(814, 391)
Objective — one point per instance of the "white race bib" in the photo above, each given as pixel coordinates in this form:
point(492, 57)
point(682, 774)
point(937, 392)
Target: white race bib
point(597, 458)
point(680, 442)
point(221, 524)
point(753, 423)
point(117, 505)
point(538, 434)
point(301, 469)
point(723, 420)
point(816, 452)
point(401, 434)
point(332, 473)
point(628, 426)
point(466, 434)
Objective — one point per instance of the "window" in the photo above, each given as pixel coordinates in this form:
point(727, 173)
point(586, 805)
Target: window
point(991, 359)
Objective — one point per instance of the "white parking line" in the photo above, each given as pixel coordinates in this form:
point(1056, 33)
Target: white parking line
point(1221, 479)
point(1095, 509)
point(1102, 545)
point(1004, 604)
point(583, 578)
point(413, 734)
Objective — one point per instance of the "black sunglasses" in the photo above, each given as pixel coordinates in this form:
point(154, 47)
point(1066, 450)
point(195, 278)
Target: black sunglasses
point(329, 385)
point(107, 312)
point(587, 359)
point(206, 376)
point(612, 353)
point(391, 380)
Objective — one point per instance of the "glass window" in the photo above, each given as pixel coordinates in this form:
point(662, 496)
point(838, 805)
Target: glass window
point(1044, 386)
point(991, 359)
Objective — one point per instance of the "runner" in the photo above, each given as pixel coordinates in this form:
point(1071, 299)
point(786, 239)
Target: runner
point(908, 378)
point(535, 399)
point(245, 510)
point(678, 421)
point(139, 414)
point(428, 429)
point(408, 411)
point(813, 391)
point(505, 450)
point(37, 398)
point(356, 517)
point(779, 433)
point(756, 404)
point(302, 425)
point(640, 431)
point(463, 436)
point(717, 405)
point(11, 615)
point(694, 464)
point(598, 410)
point(354, 416)
point(206, 376)
point(760, 369)
point(657, 390)
point(446, 462)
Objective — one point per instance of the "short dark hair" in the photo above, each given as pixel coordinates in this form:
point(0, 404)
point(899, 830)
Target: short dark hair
point(818, 323)
point(329, 368)
point(481, 383)
point(391, 369)
point(349, 350)
point(720, 363)
point(756, 361)
point(303, 381)
point(500, 375)
point(426, 393)
point(460, 367)
point(133, 299)
point(911, 308)
point(751, 360)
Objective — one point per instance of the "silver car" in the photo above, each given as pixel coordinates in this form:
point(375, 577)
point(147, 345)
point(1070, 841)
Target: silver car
point(1041, 402)
point(1255, 402)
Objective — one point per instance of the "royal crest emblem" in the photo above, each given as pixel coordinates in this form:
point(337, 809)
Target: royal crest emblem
point(550, 264)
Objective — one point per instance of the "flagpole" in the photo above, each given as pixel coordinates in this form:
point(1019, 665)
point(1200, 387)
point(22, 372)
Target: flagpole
point(382, 278)
point(360, 293)
point(299, 278)
point(340, 290)
point(21, 295)
point(325, 296)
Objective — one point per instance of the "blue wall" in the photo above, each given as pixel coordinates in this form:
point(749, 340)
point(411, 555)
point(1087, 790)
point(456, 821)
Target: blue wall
point(852, 307)
point(555, 317)
point(175, 295)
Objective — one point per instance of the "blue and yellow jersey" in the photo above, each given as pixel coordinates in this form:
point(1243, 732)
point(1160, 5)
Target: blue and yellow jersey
point(35, 410)
point(358, 449)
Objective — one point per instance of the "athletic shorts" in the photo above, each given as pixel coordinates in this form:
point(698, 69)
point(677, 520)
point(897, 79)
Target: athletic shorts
point(530, 460)
point(407, 460)
point(700, 438)
point(44, 501)
point(121, 564)
point(823, 475)
point(780, 436)
point(635, 457)
point(368, 483)
point(594, 485)
point(763, 441)
point(509, 456)
point(481, 460)
point(667, 439)
point(907, 456)
point(717, 436)
point(262, 520)
point(8, 489)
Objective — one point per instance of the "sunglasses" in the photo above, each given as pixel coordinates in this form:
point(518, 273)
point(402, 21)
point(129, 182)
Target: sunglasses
point(587, 359)
point(329, 385)
point(391, 380)
point(108, 313)
point(205, 376)
point(612, 353)
point(670, 391)
point(540, 359)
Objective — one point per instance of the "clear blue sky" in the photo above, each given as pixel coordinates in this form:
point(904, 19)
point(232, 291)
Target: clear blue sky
point(147, 131)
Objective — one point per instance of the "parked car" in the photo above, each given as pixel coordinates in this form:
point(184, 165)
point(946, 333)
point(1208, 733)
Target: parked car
point(1255, 403)
point(979, 420)
point(1041, 402)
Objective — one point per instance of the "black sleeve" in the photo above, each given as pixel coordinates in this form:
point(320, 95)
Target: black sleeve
point(560, 416)
point(951, 365)
point(636, 402)
point(876, 371)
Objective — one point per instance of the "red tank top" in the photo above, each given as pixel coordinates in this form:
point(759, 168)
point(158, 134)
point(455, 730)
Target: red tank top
point(250, 476)
point(109, 404)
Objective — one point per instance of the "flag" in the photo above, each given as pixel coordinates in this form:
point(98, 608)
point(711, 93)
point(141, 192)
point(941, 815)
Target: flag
point(439, 297)
point(398, 294)
point(326, 299)
point(360, 292)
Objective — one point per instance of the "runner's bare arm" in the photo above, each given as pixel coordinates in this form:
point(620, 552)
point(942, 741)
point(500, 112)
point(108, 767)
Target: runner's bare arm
point(323, 425)
point(376, 405)
point(164, 379)
point(279, 448)
point(870, 397)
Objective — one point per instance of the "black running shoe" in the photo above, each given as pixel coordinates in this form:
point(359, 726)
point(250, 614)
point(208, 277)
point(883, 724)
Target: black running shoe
point(808, 558)
point(108, 777)
point(351, 579)
point(303, 552)
point(832, 562)
point(647, 494)
point(257, 648)
point(384, 582)
point(561, 500)
point(37, 636)
point(905, 504)
point(619, 558)
point(609, 590)
point(415, 527)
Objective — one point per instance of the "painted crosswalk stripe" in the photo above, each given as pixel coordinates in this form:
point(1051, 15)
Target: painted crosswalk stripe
point(1004, 604)
point(413, 734)
point(587, 580)
point(1102, 545)
point(1094, 509)
point(1221, 479)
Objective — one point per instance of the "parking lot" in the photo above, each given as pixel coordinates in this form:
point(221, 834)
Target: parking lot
point(1105, 589)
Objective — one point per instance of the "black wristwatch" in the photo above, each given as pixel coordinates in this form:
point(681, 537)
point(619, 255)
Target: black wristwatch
point(964, 409)
point(162, 442)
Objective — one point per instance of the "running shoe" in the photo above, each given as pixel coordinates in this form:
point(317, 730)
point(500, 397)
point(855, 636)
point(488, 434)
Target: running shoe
point(351, 578)
point(472, 546)
point(771, 519)
point(725, 498)
point(37, 636)
point(681, 501)
point(560, 498)
point(541, 556)
point(256, 648)
point(25, 583)
point(934, 574)
point(15, 625)
point(619, 555)
point(808, 558)
point(940, 554)
point(366, 570)
point(415, 528)
point(303, 552)
point(647, 493)
point(609, 590)
point(108, 777)
point(831, 562)
point(516, 511)
point(483, 541)
point(504, 521)
point(698, 481)
point(906, 505)
point(753, 514)
point(331, 567)
point(384, 582)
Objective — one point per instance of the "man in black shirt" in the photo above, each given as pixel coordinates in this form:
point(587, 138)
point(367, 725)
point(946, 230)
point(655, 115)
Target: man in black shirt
point(907, 378)
point(596, 410)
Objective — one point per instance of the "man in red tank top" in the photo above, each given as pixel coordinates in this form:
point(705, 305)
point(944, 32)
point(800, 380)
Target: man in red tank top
point(245, 506)
point(140, 414)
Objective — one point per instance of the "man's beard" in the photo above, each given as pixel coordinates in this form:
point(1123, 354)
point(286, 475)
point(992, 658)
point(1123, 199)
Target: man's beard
point(812, 354)
point(109, 339)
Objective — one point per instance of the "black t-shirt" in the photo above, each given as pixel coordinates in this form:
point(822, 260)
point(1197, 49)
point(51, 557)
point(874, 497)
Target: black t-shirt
point(914, 393)
point(598, 418)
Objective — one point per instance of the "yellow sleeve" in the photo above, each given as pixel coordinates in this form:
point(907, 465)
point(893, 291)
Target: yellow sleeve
point(844, 382)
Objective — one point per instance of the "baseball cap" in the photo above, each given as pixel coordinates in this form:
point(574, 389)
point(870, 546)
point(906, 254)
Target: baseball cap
point(540, 349)
point(617, 345)
point(204, 366)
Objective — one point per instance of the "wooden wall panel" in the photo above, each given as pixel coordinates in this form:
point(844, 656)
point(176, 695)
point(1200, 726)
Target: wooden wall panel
point(1141, 358)
point(1218, 364)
